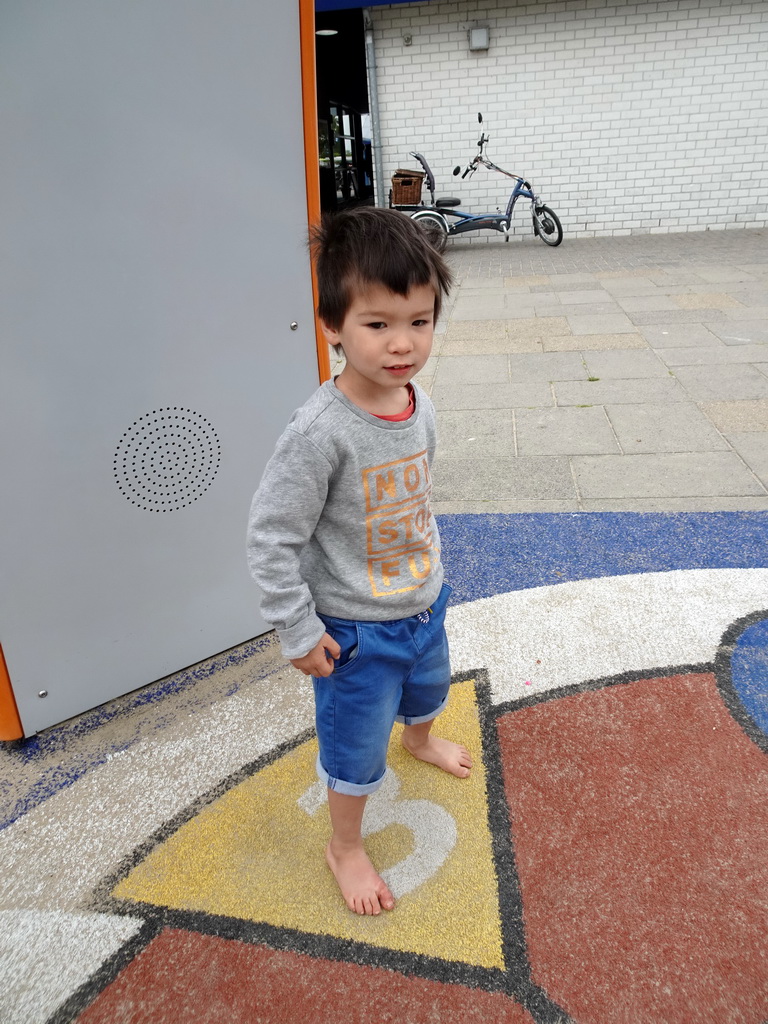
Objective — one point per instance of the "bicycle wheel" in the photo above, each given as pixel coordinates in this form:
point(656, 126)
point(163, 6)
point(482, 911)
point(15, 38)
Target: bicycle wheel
point(434, 226)
point(547, 226)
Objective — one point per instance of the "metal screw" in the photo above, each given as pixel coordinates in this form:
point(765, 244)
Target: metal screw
point(43, 693)
point(294, 326)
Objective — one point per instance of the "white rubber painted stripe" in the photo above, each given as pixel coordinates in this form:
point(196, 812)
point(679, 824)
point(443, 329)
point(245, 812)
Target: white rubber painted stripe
point(547, 637)
point(46, 956)
point(56, 854)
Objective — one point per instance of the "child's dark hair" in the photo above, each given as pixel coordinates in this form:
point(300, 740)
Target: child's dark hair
point(367, 245)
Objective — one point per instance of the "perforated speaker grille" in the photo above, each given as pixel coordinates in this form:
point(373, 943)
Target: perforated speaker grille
point(167, 459)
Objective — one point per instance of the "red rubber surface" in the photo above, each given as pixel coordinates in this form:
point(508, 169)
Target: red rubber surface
point(640, 827)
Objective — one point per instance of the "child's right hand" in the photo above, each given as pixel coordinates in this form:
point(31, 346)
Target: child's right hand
point(318, 662)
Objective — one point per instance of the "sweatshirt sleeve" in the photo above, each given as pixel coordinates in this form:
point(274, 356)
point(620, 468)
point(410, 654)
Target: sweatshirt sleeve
point(284, 513)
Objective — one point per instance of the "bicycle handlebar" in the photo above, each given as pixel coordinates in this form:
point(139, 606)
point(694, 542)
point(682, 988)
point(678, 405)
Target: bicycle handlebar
point(481, 158)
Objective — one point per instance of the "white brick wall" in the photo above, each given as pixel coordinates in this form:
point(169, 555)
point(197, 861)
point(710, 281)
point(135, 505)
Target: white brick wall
point(627, 116)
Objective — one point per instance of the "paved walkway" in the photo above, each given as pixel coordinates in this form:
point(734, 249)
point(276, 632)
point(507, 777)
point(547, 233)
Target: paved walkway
point(608, 374)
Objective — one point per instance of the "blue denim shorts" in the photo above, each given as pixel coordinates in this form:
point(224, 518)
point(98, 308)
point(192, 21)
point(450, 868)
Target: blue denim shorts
point(388, 672)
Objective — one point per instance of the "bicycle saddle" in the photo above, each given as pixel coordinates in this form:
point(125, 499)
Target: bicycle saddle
point(430, 181)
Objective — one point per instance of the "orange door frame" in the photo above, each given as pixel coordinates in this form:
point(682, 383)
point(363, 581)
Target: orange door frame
point(311, 154)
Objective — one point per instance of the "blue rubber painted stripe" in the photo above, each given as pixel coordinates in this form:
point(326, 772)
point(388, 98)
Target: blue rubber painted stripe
point(493, 554)
point(749, 672)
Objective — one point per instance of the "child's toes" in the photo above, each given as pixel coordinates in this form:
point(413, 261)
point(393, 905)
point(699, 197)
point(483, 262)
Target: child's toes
point(386, 899)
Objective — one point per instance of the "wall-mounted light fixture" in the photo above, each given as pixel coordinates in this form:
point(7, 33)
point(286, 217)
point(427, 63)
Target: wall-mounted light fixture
point(407, 39)
point(479, 37)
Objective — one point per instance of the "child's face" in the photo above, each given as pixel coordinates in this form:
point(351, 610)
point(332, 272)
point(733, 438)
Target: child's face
point(386, 338)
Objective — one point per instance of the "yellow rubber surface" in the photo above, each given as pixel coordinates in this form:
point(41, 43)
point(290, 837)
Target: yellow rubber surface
point(256, 853)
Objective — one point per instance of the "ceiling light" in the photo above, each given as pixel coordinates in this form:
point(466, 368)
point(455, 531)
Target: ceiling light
point(327, 32)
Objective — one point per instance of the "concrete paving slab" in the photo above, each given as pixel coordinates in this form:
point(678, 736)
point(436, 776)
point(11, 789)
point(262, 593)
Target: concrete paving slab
point(752, 446)
point(626, 273)
point(670, 276)
point(679, 335)
point(502, 479)
point(526, 281)
point(490, 308)
point(737, 417)
point(538, 327)
point(745, 332)
point(547, 366)
point(492, 345)
point(473, 329)
point(486, 337)
point(491, 293)
point(593, 342)
point(607, 308)
point(585, 297)
point(713, 355)
point(705, 300)
point(480, 283)
point(547, 308)
point(683, 289)
point(624, 287)
point(625, 364)
point(678, 316)
point(513, 297)
point(619, 392)
point(564, 431)
point(678, 475)
point(496, 507)
point(713, 503)
point(724, 274)
point(643, 303)
point(474, 369)
point(739, 313)
point(476, 433)
point(709, 383)
point(728, 290)
point(571, 282)
point(543, 308)
point(669, 427)
point(610, 323)
point(491, 396)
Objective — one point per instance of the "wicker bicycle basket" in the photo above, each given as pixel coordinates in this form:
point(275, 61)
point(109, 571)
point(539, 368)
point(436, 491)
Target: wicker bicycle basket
point(406, 187)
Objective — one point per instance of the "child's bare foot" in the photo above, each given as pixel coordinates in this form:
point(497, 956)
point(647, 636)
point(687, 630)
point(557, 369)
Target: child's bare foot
point(363, 889)
point(451, 757)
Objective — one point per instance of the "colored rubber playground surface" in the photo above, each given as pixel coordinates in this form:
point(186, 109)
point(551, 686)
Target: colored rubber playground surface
point(605, 864)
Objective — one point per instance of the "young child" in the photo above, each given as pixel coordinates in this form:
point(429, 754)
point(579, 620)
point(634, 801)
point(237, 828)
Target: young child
point(341, 537)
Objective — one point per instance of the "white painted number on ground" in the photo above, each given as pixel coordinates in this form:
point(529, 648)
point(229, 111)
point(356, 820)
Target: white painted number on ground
point(432, 827)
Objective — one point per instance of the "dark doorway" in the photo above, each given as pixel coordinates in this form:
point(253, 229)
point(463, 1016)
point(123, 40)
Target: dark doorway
point(346, 170)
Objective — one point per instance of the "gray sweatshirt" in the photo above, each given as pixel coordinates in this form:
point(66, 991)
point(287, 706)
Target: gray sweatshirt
point(341, 522)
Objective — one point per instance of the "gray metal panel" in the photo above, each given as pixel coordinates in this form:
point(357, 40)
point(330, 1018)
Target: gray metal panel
point(155, 223)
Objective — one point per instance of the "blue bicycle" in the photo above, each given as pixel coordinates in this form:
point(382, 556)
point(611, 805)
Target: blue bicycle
point(435, 217)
